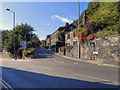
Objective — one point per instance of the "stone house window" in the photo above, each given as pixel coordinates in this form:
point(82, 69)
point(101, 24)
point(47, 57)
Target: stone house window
point(74, 34)
point(71, 28)
point(68, 44)
point(75, 43)
point(68, 36)
point(48, 43)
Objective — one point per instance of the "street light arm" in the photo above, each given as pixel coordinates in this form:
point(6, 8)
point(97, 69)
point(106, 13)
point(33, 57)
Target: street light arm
point(9, 10)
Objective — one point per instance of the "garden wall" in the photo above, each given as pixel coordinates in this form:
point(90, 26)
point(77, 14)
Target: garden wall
point(73, 52)
point(106, 49)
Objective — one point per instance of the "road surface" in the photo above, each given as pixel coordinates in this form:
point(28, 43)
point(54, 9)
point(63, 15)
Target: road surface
point(52, 71)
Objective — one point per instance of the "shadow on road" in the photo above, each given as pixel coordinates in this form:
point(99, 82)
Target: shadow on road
point(44, 53)
point(24, 79)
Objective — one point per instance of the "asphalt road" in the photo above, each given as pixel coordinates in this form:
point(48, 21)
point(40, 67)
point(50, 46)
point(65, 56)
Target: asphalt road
point(52, 71)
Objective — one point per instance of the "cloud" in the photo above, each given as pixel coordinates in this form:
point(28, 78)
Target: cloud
point(62, 19)
point(48, 24)
point(4, 28)
point(73, 17)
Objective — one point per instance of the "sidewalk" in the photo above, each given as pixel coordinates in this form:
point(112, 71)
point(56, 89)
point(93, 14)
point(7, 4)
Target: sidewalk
point(97, 62)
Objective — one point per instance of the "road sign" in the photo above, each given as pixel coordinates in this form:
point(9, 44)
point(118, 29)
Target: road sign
point(95, 52)
point(23, 44)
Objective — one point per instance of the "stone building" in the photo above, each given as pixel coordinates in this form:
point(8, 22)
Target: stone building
point(71, 38)
point(51, 39)
point(54, 38)
point(48, 40)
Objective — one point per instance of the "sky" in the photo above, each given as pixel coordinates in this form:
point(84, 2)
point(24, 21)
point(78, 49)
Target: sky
point(44, 17)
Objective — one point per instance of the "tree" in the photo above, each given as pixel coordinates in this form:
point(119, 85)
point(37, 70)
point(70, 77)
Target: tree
point(22, 32)
point(61, 35)
point(43, 43)
point(105, 13)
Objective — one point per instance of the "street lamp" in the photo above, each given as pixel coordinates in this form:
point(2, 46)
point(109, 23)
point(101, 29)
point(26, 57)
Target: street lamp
point(13, 29)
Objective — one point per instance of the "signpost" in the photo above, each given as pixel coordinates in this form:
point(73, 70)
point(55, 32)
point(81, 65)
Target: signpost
point(23, 44)
point(95, 52)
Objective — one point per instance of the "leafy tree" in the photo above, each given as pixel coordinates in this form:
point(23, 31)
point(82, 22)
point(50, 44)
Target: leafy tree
point(22, 32)
point(61, 35)
point(43, 43)
point(105, 13)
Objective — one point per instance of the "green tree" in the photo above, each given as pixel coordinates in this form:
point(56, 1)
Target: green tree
point(43, 43)
point(22, 32)
point(61, 35)
point(105, 13)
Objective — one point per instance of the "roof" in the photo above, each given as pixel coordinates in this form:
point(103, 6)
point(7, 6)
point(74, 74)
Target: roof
point(48, 36)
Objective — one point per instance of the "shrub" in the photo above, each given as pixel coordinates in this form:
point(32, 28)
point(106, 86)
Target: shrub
point(108, 31)
point(62, 49)
point(86, 32)
point(60, 43)
point(68, 48)
point(28, 52)
point(51, 46)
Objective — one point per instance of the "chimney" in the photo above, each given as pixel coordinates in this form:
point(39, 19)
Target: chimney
point(84, 18)
point(67, 24)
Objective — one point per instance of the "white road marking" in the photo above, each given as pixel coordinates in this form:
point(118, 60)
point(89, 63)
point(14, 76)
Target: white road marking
point(75, 63)
point(47, 68)
point(95, 78)
point(3, 85)
point(56, 61)
point(7, 85)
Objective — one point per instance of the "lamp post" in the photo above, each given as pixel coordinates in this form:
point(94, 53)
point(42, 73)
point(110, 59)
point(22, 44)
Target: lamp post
point(13, 29)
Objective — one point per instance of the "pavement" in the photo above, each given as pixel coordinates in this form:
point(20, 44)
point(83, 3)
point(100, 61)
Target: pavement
point(54, 71)
point(97, 62)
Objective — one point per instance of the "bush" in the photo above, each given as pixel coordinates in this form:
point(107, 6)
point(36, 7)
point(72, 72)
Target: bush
point(28, 52)
point(52, 46)
point(68, 48)
point(87, 32)
point(60, 43)
point(108, 31)
point(62, 49)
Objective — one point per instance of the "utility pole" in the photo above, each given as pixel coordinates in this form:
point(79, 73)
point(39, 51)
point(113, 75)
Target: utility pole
point(78, 14)
point(78, 27)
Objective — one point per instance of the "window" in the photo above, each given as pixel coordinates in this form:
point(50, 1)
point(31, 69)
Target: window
point(74, 34)
point(75, 43)
point(71, 28)
point(68, 36)
point(68, 44)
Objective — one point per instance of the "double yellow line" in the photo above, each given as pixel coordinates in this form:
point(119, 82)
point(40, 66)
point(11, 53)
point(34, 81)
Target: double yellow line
point(5, 84)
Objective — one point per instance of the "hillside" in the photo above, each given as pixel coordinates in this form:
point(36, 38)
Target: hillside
point(105, 13)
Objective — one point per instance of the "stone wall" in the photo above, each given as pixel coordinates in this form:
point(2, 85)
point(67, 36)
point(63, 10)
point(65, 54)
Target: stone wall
point(107, 49)
point(73, 52)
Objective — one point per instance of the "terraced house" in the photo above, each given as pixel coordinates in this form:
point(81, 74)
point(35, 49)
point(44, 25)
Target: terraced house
point(51, 39)
point(48, 40)
point(71, 38)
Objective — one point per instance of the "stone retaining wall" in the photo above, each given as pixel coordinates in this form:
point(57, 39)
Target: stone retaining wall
point(107, 49)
